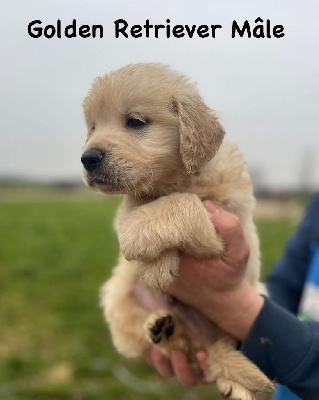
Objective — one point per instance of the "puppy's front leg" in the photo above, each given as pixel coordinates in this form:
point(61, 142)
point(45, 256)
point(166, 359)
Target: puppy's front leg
point(161, 272)
point(153, 233)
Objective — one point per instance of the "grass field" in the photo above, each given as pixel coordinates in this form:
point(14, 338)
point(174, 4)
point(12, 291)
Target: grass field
point(54, 344)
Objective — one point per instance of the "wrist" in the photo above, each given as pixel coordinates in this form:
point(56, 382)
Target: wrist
point(235, 311)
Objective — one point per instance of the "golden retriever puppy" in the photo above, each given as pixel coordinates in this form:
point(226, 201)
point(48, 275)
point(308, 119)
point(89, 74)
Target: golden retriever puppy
point(151, 137)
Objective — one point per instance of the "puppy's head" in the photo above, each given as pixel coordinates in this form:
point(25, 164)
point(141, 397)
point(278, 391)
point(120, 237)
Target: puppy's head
point(148, 129)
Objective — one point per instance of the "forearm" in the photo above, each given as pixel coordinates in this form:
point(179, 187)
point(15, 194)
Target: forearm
point(285, 349)
point(236, 311)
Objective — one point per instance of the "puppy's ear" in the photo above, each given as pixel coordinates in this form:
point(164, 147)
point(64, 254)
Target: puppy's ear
point(200, 133)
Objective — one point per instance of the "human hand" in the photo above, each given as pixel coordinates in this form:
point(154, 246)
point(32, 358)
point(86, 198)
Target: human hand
point(218, 288)
point(202, 281)
point(177, 365)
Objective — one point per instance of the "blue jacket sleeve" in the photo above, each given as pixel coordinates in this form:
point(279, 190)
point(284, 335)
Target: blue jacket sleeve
point(286, 350)
point(285, 282)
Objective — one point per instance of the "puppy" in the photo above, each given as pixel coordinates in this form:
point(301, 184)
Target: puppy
point(151, 138)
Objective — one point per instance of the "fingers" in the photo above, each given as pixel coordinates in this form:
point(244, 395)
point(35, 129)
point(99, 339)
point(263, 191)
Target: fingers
point(229, 227)
point(226, 223)
point(148, 357)
point(162, 364)
point(182, 369)
point(202, 357)
point(177, 365)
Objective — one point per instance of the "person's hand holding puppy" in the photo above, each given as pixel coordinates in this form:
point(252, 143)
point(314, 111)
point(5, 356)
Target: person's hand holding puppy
point(218, 289)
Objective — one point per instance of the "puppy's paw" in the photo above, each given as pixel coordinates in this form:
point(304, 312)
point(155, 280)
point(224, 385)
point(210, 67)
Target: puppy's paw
point(233, 391)
point(160, 273)
point(235, 375)
point(204, 244)
point(141, 242)
point(159, 327)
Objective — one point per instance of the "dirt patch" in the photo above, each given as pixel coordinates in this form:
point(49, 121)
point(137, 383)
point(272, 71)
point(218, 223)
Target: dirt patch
point(278, 209)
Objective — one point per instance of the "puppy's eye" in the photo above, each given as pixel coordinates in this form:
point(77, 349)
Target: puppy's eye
point(135, 123)
point(92, 128)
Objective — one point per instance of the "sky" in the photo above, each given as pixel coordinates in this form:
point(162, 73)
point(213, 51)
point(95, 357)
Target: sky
point(265, 91)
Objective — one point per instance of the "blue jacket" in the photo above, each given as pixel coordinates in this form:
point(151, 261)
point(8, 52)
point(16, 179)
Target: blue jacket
point(284, 348)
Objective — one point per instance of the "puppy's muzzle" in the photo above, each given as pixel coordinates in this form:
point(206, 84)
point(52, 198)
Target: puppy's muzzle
point(92, 158)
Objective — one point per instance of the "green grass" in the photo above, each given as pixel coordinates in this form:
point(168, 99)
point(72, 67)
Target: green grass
point(273, 236)
point(54, 344)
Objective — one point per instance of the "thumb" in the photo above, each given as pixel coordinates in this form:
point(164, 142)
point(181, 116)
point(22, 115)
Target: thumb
point(229, 227)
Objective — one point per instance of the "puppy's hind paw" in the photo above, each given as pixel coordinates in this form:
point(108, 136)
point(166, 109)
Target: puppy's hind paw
point(233, 391)
point(160, 326)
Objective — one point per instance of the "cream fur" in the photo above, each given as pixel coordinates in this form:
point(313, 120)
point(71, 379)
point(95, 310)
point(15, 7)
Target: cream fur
point(166, 169)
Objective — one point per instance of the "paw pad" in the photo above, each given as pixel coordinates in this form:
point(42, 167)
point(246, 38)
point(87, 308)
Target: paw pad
point(161, 327)
point(227, 394)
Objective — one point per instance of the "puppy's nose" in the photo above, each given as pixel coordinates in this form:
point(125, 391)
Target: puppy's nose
point(92, 158)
